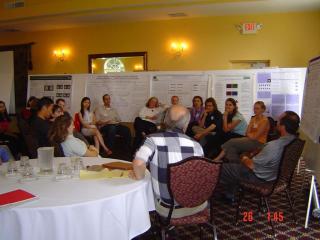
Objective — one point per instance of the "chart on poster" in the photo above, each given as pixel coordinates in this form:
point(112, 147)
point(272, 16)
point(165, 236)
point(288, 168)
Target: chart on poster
point(52, 86)
point(281, 89)
point(234, 84)
point(184, 85)
point(129, 92)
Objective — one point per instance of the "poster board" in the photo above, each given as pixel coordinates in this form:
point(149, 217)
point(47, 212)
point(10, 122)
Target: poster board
point(52, 86)
point(237, 84)
point(7, 80)
point(129, 92)
point(310, 122)
point(185, 85)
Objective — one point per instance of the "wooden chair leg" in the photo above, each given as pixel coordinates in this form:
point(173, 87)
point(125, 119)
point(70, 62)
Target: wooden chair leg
point(241, 194)
point(291, 205)
point(271, 223)
point(200, 228)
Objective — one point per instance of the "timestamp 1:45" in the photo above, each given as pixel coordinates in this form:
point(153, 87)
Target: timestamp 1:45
point(272, 216)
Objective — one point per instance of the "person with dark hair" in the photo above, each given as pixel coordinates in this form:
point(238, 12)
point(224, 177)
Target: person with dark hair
point(41, 124)
point(6, 136)
point(162, 148)
point(56, 112)
point(62, 103)
point(61, 133)
point(108, 121)
point(30, 109)
point(256, 136)
point(234, 124)
point(88, 125)
point(175, 100)
point(196, 112)
point(263, 166)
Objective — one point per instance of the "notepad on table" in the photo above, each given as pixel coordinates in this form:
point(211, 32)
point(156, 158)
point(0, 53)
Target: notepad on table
point(105, 173)
point(15, 197)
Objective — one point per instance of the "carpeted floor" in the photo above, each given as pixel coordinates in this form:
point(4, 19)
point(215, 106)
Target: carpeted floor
point(258, 228)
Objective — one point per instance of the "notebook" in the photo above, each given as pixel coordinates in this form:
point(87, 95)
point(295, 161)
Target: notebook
point(15, 197)
point(118, 165)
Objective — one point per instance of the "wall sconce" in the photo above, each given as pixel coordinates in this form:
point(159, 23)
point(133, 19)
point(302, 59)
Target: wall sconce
point(61, 54)
point(138, 67)
point(178, 48)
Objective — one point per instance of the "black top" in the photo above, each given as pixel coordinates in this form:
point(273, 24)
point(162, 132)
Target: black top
point(41, 129)
point(214, 117)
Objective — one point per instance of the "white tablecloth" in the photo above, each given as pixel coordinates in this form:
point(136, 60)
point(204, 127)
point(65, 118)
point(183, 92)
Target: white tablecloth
point(76, 209)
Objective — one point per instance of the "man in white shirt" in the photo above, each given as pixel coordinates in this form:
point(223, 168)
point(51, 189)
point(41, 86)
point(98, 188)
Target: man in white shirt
point(108, 121)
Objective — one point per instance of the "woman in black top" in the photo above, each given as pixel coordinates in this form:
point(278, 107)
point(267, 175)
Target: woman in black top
point(211, 123)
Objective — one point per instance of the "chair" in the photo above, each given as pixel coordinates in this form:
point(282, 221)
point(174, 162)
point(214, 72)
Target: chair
point(272, 134)
point(288, 163)
point(29, 137)
point(191, 182)
point(76, 122)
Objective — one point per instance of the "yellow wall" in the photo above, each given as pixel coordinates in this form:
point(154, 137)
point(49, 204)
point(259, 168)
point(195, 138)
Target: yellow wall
point(288, 40)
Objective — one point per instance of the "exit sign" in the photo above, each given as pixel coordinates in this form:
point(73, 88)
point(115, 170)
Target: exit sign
point(249, 28)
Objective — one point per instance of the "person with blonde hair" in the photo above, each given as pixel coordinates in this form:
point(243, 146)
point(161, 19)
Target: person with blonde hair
point(256, 136)
point(149, 117)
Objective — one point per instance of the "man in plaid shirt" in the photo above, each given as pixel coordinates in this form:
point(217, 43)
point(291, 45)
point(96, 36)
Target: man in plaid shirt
point(163, 148)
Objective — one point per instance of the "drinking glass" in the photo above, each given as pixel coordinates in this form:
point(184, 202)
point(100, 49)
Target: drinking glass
point(45, 159)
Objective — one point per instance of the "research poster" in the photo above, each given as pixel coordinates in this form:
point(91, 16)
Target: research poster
point(237, 85)
point(310, 122)
point(129, 92)
point(184, 85)
point(54, 87)
point(281, 90)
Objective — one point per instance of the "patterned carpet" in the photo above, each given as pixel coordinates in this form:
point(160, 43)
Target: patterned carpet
point(258, 228)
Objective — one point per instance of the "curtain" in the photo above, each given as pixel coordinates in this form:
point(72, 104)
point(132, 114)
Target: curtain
point(22, 63)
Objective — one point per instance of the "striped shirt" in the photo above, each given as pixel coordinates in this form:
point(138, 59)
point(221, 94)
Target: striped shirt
point(161, 149)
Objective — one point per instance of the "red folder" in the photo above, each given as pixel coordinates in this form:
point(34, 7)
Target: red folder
point(15, 197)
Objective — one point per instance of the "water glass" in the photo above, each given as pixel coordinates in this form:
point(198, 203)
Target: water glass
point(63, 172)
point(45, 159)
point(12, 169)
point(24, 161)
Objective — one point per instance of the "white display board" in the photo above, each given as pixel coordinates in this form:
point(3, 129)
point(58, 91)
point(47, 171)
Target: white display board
point(52, 86)
point(237, 84)
point(310, 123)
point(281, 89)
point(7, 80)
point(129, 92)
point(185, 85)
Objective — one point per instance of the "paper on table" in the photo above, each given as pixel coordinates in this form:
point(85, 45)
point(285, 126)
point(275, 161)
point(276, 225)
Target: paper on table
point(105, 173)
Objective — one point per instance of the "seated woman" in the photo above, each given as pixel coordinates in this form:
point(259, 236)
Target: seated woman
point(234, 124)
point(30, 109)
point(256, 136)
point(57, 111)
point(88, 125)
point(195, 113)
point(8, 138)
point(149, 117)
point(61, 132)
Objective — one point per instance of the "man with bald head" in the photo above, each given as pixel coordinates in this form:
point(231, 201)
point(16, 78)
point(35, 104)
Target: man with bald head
point(163, 148)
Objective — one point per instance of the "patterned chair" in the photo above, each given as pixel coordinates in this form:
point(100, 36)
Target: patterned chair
point(288, 163)
point(191, 182)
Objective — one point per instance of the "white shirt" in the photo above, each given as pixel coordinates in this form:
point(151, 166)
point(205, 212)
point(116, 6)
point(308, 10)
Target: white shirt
point(150, 112)
point(104, 114)
point(73, 146)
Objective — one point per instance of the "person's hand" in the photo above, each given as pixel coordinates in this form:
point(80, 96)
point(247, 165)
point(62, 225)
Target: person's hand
point(225, 113)
point(93, 148)
point(198, 136)
point(132, 175)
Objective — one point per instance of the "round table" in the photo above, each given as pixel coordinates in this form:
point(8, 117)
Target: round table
point(116, 208)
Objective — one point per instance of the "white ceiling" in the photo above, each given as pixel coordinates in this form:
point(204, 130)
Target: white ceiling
point(192, 11)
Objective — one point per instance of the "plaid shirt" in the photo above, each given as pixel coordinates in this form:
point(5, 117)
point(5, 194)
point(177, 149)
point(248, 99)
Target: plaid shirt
point(161, 149)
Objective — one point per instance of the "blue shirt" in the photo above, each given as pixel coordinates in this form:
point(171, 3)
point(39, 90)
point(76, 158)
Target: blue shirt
point(241, 128)
point(266, 163)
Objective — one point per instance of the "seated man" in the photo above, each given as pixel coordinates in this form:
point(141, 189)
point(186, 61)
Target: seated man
point(41, 124)
point(108, 121)
point(264, 166)
point(163, 148)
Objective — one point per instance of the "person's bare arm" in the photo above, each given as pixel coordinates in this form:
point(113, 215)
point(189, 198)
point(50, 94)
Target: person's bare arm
point(139, 168)
point(205, 132)
point(261, 130)
point(246, 161)
point(227, 127)
point(91, 152)
point(84, 124)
